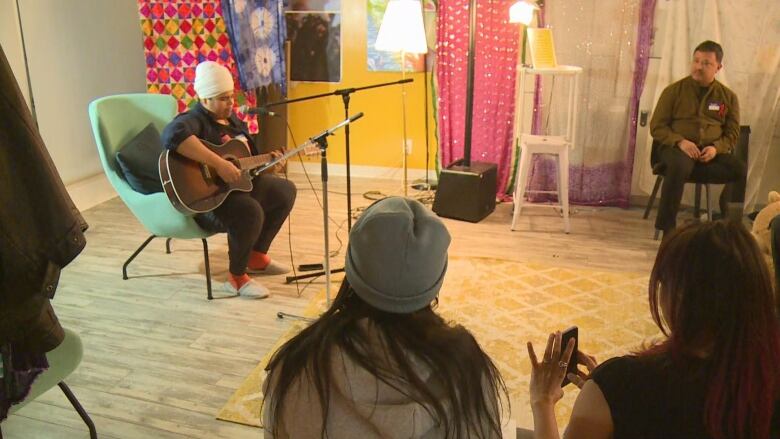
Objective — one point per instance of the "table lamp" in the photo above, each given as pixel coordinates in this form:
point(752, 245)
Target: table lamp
point(402, 30)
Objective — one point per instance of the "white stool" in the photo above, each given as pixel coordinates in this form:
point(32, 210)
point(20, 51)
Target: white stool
point(555, 145)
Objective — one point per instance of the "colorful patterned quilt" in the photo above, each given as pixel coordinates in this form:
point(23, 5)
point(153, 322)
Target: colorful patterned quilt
point(179, 34)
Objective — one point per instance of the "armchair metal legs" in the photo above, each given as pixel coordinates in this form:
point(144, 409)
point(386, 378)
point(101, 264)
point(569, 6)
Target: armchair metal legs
point(79, 409)
point(208, 269)
point(130, 259)
point(168, 250)
point(76, 405)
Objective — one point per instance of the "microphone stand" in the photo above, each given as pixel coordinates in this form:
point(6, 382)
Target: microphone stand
point(345, 97)
point(322, 141)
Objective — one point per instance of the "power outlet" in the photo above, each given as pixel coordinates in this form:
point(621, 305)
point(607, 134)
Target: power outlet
point(408, 146)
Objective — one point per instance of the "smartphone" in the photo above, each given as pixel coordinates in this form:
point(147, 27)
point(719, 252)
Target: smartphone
point(567, 335)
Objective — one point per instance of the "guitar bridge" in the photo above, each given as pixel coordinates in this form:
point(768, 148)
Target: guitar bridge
point(206, 172)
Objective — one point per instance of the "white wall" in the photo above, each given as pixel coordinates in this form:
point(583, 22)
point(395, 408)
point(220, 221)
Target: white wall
point(77, 50)
point(11, 41)
point(770, 181)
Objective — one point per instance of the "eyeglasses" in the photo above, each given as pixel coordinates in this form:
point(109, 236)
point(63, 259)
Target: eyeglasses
point(225, 98)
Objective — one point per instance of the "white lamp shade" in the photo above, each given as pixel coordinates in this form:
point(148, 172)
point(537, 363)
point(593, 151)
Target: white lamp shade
point(522, 12)
point(402, 28)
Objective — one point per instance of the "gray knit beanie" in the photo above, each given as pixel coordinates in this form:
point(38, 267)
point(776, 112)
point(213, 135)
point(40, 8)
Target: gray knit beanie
point(397, 255)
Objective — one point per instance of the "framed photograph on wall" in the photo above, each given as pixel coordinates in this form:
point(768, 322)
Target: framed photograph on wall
point(314, 32)
point(313, 5)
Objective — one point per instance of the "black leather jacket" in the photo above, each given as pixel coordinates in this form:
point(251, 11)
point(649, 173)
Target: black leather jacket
point(41, 230)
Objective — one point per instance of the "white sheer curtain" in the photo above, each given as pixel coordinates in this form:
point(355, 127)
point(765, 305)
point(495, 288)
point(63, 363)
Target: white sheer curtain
point(600, 36)
point(749, 32)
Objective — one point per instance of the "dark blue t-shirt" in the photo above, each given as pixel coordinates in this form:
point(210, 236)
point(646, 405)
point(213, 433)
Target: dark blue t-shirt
point(198, 122)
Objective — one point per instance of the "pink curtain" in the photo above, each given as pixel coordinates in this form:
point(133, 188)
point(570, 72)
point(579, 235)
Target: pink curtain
point(494, 83)
point(614, 54)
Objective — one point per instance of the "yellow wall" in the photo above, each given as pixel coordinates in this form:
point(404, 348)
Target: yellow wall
point(376, 139)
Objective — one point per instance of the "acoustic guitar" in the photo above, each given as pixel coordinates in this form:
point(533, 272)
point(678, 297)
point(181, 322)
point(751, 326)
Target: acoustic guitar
point(193, 187)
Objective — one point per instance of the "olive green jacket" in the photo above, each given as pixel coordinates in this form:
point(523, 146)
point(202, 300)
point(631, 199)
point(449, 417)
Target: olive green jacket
point(680, 115)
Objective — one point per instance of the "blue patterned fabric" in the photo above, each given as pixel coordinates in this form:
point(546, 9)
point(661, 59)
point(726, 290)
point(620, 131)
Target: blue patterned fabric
point(257, 30)
point(18, 370)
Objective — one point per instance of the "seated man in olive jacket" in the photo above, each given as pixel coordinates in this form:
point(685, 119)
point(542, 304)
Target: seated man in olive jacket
point(696, 123)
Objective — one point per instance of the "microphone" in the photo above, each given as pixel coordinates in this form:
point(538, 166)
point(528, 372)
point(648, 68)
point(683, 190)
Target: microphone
point(257, 110)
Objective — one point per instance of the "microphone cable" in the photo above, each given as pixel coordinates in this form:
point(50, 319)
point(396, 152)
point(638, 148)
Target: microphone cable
point(339, 226)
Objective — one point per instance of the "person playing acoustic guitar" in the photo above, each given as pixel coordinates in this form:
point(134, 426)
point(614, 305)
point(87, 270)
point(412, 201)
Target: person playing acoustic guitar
point(251, 219)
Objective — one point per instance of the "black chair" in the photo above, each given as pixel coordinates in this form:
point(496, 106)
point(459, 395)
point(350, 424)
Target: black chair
point(738, 194)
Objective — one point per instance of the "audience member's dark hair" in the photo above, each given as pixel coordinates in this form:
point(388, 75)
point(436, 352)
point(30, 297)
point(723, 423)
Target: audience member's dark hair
point(449, 350)
point(710, 46)
point(711, 294)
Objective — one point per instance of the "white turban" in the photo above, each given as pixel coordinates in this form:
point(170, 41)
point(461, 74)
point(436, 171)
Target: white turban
point(212, 79)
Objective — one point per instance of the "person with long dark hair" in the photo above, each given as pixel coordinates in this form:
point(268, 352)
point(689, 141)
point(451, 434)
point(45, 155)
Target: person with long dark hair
point(714, 374)
point(380, 362)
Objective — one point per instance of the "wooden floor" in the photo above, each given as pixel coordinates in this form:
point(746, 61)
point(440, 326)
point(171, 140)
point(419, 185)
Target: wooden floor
point(160, 360)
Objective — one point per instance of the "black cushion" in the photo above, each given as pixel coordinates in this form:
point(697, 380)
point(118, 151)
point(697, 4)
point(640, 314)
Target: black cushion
point(138, 161)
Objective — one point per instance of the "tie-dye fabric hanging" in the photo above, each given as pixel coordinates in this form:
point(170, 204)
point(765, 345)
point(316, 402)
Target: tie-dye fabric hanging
point(257, 32)
point(179, 34)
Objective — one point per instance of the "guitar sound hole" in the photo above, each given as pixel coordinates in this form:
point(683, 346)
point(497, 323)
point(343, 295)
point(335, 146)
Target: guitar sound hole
point(233, 159)
point(210, 174)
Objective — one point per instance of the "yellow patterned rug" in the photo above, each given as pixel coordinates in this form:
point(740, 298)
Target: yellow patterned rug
point(506, 303)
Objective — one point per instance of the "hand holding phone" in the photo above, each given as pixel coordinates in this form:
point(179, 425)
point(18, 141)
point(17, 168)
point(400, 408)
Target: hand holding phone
point(589, 361)
point(548, 372)
point(571, 333)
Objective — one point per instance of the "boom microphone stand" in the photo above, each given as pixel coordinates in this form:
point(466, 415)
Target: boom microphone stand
point(322, 141)
point(345, 97)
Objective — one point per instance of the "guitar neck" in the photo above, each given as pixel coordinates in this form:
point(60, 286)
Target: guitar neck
point(255, 161)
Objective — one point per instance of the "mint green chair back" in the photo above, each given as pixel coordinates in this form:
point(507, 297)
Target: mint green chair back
point(63, 360)
point(115, 121)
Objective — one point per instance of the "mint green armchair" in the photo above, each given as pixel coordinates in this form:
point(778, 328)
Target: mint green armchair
point(115, 121)
point(63, 360)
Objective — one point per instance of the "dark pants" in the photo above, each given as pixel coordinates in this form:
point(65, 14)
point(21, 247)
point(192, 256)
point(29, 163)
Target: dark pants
point(252, 219)
point(679, 168)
